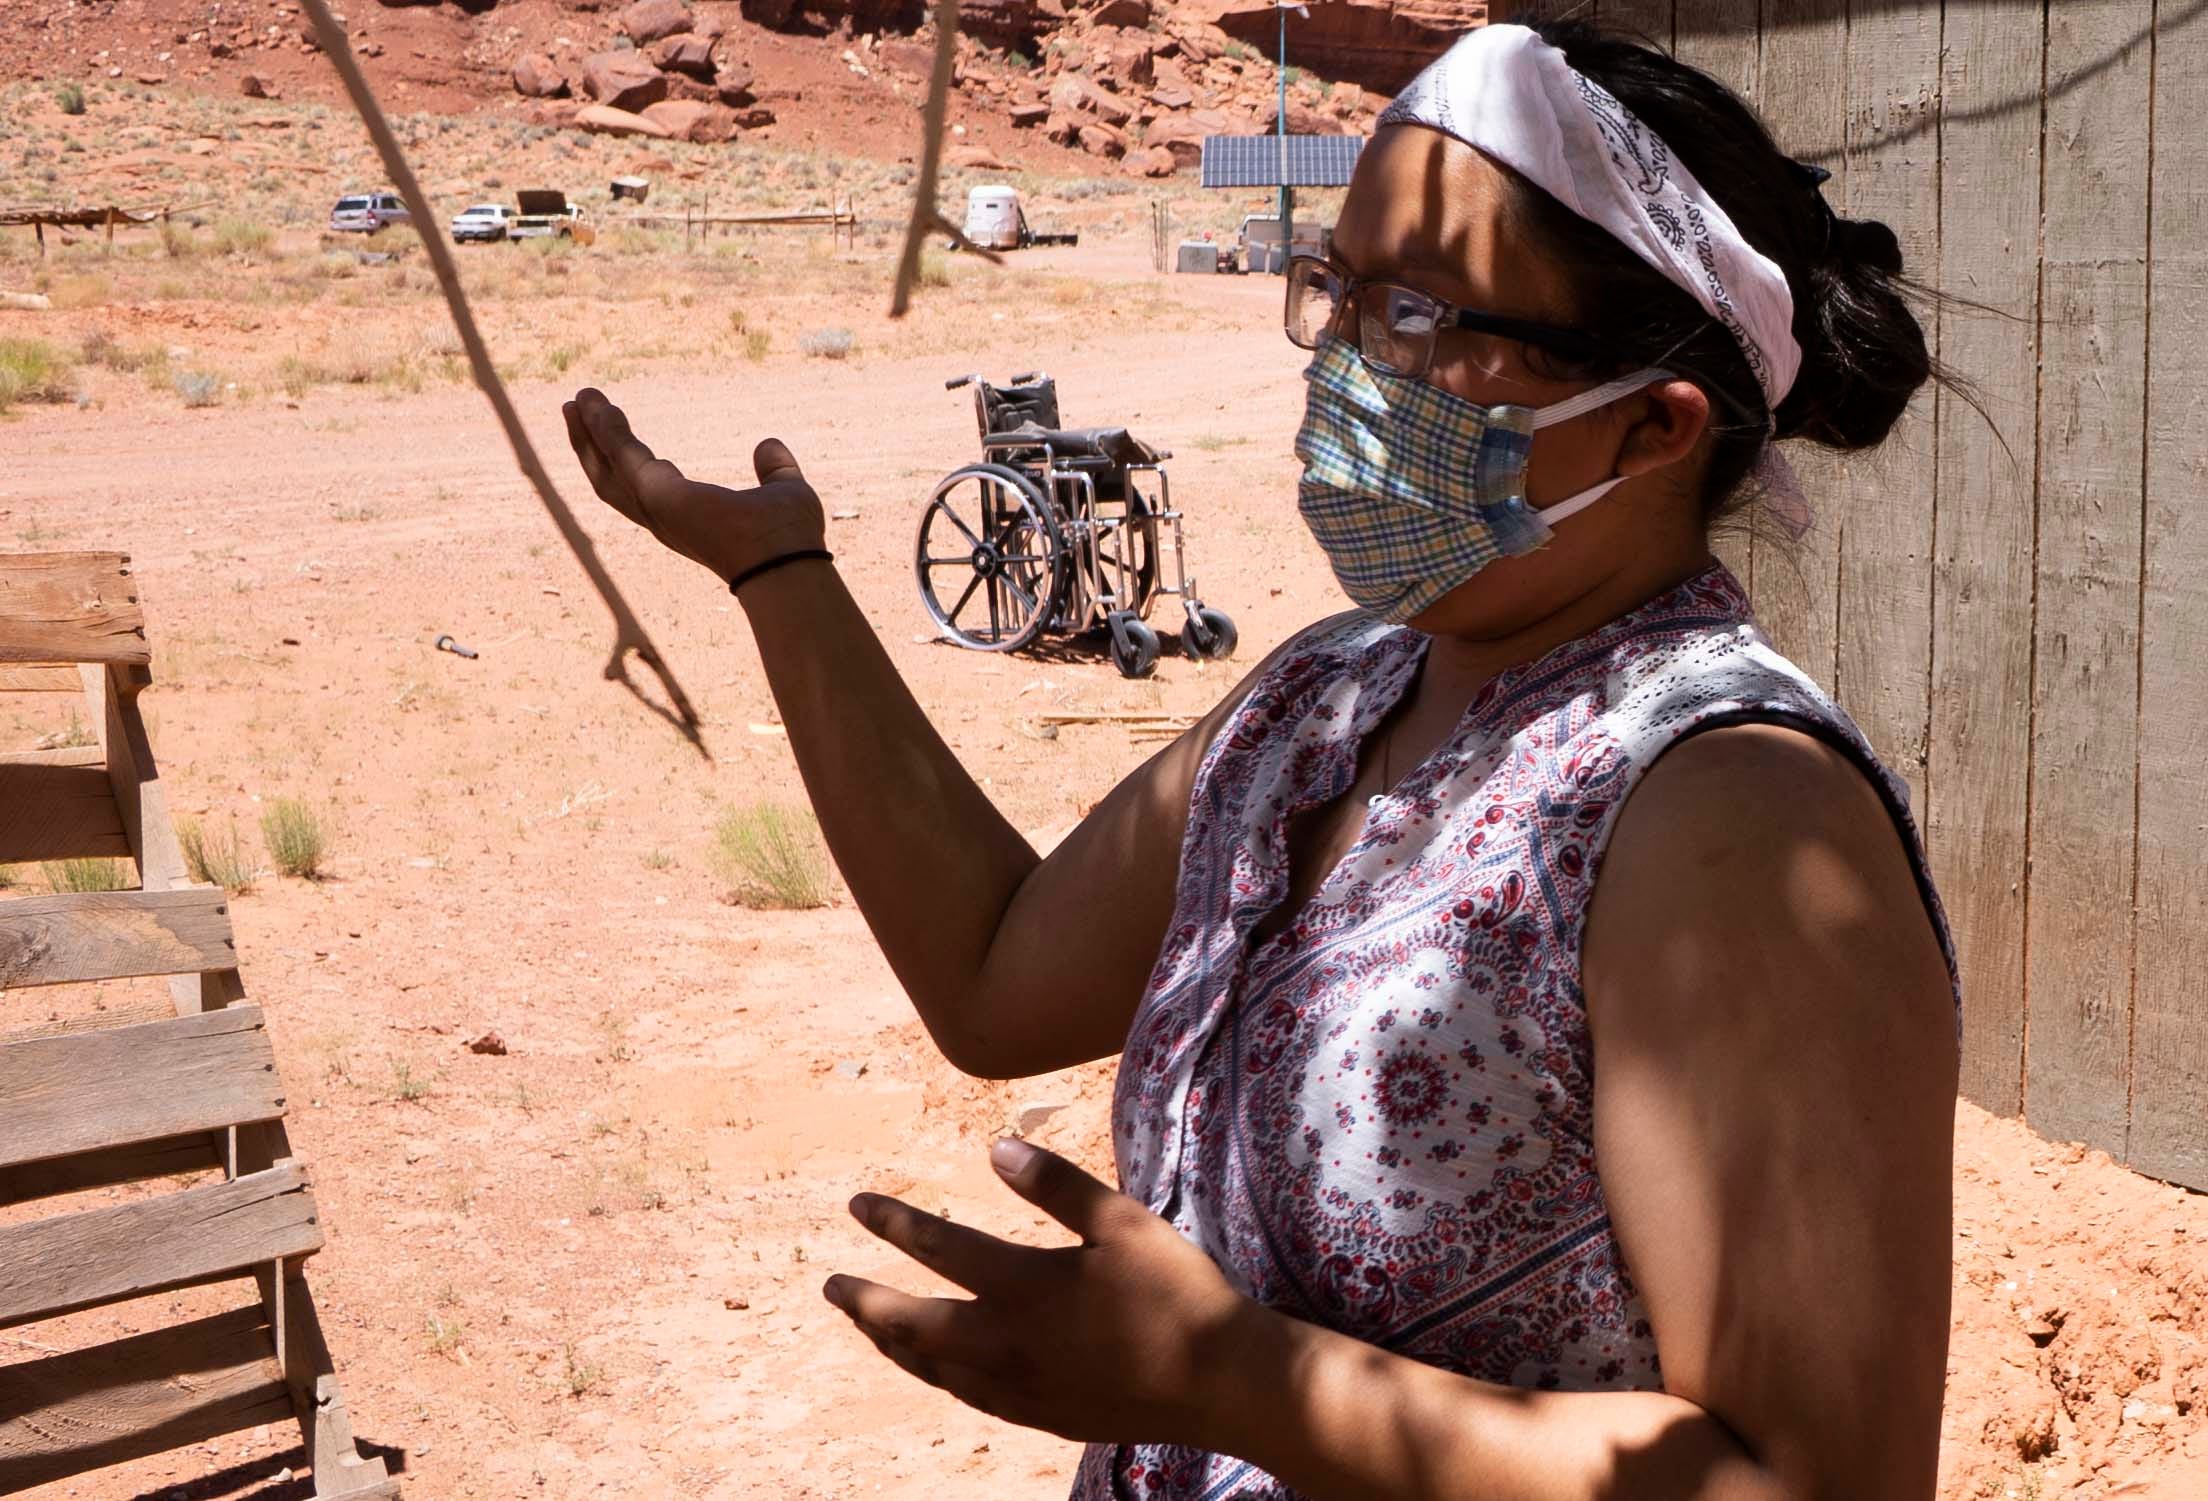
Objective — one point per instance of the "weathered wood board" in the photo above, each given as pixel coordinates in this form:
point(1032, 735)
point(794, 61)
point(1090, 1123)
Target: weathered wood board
point(120, 1085)
point(1978, 749)
point(2085, 708)
point(67, 1413)
point(111, 935)
point(70, 607)
point(57, 812)
point(96, 1256)
point(2168, 1134)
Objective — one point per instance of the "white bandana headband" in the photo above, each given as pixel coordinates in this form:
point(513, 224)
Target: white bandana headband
point(1511, 95)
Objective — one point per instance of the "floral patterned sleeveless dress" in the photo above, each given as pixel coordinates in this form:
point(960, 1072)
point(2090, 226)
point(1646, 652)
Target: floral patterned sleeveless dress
point(1381, 1119)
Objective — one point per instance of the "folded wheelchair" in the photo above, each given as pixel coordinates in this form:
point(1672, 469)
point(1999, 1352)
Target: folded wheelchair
point(1057, 530)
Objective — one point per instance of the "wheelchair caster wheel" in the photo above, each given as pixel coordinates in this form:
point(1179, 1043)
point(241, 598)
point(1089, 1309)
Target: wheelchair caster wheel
point(1209, 635)
point(1134, 645)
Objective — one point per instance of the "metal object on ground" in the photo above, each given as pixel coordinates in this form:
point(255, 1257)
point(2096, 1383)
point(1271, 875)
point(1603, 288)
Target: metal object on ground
point(446, 643)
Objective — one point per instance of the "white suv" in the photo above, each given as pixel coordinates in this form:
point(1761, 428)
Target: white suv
point(486, 221)
point(366, 213)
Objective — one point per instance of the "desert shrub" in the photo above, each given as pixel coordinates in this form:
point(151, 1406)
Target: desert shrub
point(103, 349)
point(92, 873)
point(293, 834)
point(198, 388)
point(33, 370)
point(70, 96)
point(757, 342)
point(826, 343)
point(935, 268)
point(75, 292)
point(242, 237)
point(215, 859)
point(771, 856)
point(178, 242)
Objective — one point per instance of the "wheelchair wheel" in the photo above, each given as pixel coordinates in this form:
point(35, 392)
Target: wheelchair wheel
point(991, 558)
point(1209, 636)
point(1134, 645)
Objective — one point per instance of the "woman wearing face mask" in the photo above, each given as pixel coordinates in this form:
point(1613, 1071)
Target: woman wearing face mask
point(1537, 1025)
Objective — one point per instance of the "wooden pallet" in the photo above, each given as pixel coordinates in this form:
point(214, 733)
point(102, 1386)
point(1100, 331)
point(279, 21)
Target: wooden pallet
point(190, 1091)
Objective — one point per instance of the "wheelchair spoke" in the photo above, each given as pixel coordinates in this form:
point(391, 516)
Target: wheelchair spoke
point(971, 584)
point(962, 526)
point(966, 561)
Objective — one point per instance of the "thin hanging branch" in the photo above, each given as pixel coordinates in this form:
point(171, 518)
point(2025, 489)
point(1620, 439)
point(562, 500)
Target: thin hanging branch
point(629, 634)
point(927, 215)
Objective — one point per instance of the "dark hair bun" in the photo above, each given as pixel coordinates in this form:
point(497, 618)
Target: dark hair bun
point(1863, 351)
point(1867, 240)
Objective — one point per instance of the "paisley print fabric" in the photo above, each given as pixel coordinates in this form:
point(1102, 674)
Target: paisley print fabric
point(1380, 1119)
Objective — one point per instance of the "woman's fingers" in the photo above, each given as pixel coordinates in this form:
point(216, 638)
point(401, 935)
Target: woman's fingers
point(976, 1262)
point(591, 453)
point(772, 461)
point(932, 1328)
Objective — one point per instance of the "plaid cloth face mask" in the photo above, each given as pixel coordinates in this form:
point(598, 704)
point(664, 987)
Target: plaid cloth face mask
point(1410, 490)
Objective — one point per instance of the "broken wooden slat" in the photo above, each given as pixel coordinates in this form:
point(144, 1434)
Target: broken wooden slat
point(74, 1261)
point(62, 1095)
point(37, 678)
point(113, 935)
point(58, 813)
point(65, 755)
point(85, 1409)
point(177, 1156)
point(70, 607)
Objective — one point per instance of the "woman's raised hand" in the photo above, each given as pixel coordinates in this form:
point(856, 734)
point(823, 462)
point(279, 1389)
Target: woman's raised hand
point(727, 531)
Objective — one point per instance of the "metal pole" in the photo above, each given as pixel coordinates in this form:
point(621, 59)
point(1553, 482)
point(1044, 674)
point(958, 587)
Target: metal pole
point(1280, 121)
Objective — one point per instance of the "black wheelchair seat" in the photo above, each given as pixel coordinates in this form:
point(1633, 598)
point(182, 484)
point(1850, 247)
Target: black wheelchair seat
point(1113, 445)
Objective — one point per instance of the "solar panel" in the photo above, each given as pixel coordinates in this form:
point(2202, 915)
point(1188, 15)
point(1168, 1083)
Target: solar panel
point(1258, 161)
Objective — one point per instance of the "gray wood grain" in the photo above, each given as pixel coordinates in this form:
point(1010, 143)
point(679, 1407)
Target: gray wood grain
point(81, 1260)
point(50, 812)
point(112, 935)
point(1979, 744)
point(2169, 1113)
point(2085, 709)
point(119, 1085)
point(87, 1409)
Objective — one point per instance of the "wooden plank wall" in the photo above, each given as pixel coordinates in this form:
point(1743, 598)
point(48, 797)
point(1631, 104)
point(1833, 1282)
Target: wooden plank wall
point(2010, 604)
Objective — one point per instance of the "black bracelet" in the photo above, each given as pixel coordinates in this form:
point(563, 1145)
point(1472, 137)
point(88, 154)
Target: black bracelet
point(806, 556)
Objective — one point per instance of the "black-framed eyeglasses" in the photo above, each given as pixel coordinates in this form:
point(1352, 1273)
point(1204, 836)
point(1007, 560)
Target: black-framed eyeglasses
point(1398, 325)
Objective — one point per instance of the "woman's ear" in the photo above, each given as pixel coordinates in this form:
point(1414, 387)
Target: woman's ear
point(1677, 415)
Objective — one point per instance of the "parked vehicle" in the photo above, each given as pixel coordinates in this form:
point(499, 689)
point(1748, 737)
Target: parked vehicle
point(546, 211)
point(485, 221)
point(365, 213)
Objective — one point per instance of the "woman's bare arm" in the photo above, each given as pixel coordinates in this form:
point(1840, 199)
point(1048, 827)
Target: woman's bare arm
point(1017, 964)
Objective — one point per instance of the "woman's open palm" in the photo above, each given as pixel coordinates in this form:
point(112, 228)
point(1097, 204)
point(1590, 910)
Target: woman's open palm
point(726, 530)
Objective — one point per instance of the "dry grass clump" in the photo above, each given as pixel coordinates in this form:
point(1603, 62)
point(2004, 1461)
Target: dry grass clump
point(91, 873)
point(293, 833)
point(771, 856)
point(34, 370)
point(216, 859)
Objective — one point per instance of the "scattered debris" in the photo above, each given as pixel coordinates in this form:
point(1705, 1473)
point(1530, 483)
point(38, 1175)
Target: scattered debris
point(446, 643)
point(1034, 1116)
point(488, 1042)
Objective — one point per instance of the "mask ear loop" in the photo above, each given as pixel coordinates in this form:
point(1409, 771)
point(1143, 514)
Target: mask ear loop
point(1578, 406)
